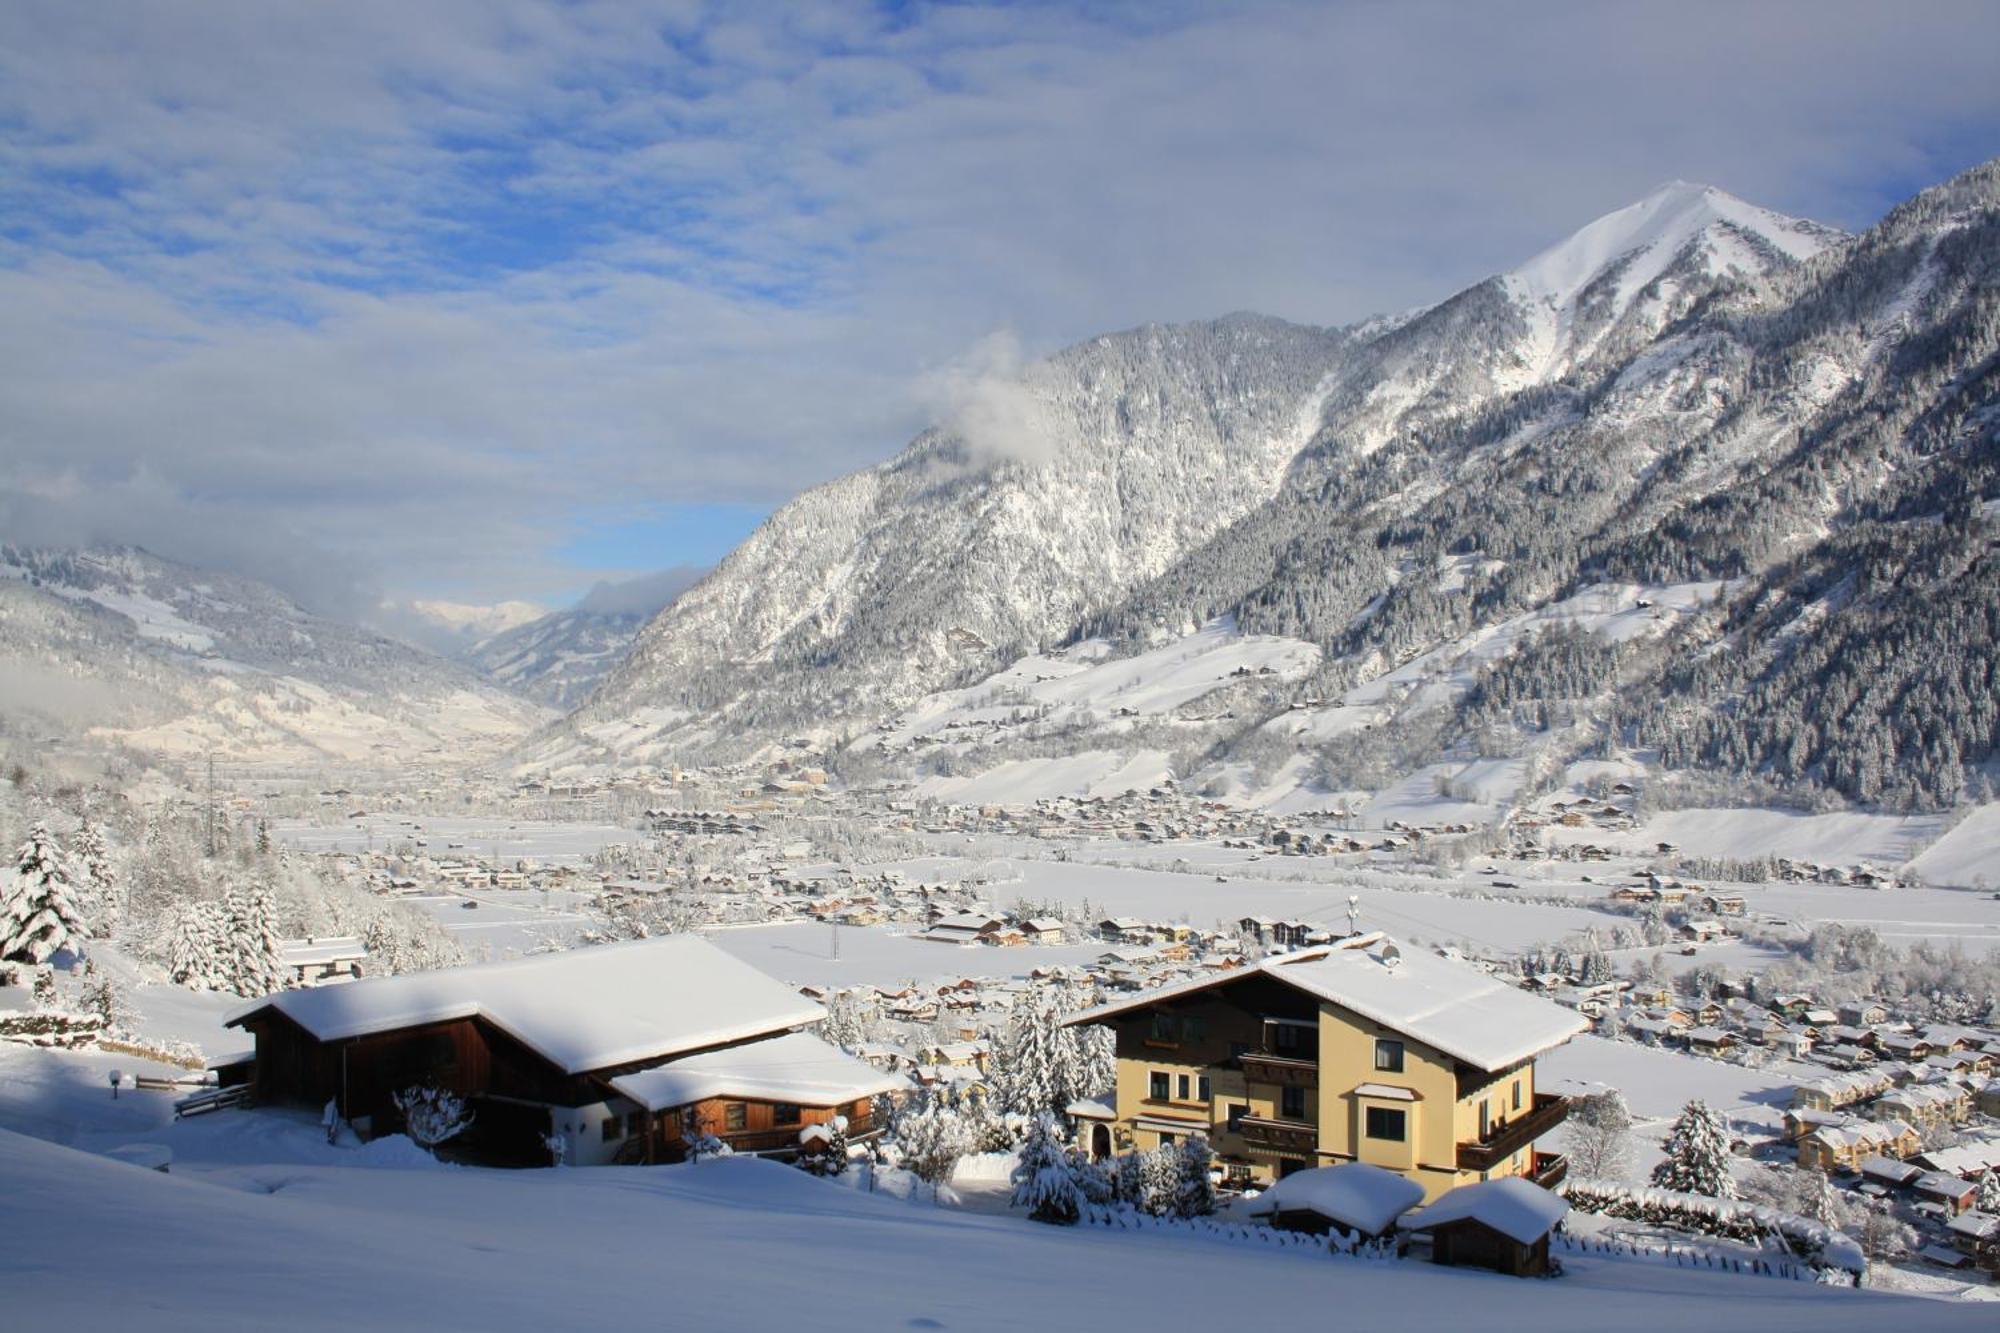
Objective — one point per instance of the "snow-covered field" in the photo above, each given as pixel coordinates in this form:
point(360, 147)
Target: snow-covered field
point(803, 953)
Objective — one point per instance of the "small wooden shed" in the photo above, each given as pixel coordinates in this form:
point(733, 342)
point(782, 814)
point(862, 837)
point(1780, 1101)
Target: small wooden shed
point(1503, 1225)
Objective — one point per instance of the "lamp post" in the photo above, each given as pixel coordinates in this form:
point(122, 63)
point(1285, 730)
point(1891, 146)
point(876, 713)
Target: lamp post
point(117, 1077)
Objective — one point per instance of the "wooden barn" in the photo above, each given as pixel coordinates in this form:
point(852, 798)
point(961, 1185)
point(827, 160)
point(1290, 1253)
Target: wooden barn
point(616, 1051)
point(1503, 1225)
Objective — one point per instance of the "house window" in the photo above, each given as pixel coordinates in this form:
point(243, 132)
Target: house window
point(1193, 1029)
point(1201, 1088)
point(785, 1113)
point(1385, 1123)
point(1164, 1027)
point(1517, 1094)
point(635, 1123)
point(610, 1129)
point(1389, 1056)
point(1181, 1086)
point(1160, 1088)
point(735, 1116)
point(1292, 1103)
point(1166, 1140)
point(1285, 1039)
point(1236, 1114)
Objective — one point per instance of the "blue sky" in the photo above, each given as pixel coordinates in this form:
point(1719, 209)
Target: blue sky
point(494, 299)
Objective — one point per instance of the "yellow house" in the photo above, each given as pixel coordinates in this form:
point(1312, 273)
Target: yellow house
point(1360, 1051)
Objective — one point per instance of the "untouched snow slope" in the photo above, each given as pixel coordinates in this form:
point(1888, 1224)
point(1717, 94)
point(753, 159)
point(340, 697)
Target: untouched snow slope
point(737, 1244)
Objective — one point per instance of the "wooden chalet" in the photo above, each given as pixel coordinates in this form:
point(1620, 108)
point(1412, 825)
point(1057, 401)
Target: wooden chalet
point(590, 1047)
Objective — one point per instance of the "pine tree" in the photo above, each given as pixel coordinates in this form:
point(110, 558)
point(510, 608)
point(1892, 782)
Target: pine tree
point(1043, 1180)
point(99, 879)
point(39, 916)
point(1194, 1191)
point(1698, 1159)
point(1988, 1200)
point(194, 956)
point(1159, 1179)
point(252, 961)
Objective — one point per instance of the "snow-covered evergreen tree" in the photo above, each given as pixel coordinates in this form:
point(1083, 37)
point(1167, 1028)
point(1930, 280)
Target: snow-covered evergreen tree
point(196, 951)
point(1988, 1200)
point(1698, 1158)
point(1194, 1192)
point(253, 961)
point(99, 880)
point(39, 916)
point(1044, 1182)
point(843, 1025)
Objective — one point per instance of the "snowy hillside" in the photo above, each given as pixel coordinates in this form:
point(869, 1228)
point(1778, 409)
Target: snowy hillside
point(174, 661)
point(266, 1224)
point(559, 658)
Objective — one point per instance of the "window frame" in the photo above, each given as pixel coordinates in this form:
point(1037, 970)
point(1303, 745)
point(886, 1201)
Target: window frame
point(1390, 1055)
point(1401, 1120)
point(1285, 1098)
point(1160, 1086)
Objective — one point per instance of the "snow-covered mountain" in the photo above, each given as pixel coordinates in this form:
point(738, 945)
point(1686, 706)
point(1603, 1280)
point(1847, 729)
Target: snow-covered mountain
point(559, 658)
point(144, 652)
point(1133, 453)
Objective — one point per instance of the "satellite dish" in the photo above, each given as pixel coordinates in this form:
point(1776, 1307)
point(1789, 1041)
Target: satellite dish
point(1392, 957)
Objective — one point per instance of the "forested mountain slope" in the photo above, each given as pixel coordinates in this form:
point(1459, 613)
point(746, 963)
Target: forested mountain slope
point(1778, 439)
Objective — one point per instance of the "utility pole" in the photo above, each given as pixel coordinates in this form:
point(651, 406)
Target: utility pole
point(211, 805)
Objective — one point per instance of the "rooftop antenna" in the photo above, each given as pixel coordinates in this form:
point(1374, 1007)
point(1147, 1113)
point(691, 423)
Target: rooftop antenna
point(1354, 914)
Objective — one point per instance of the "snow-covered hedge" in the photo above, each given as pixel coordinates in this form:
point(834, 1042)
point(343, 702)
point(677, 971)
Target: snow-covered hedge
point(1734, 1219)
point(51, 1028)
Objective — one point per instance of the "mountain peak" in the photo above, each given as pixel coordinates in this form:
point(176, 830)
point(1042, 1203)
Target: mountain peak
point(1645, 238)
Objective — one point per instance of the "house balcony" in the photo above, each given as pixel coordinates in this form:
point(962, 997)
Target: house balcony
point(1550, 1170)
point(1289, 1138)
point(1283, 1070)
point(1508, 1137)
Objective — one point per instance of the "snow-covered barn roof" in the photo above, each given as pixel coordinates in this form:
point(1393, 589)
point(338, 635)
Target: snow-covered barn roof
point(1518, 1209)
point(1466, 1013)
point(581, 1009)
point(797, 1067)
point(1357, 1195)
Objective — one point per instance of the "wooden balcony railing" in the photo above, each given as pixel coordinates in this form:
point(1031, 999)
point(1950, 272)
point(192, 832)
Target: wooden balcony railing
point(1505, 1139)
point(1284, 1070)
point(1550, 1170)
point(1290, 1137)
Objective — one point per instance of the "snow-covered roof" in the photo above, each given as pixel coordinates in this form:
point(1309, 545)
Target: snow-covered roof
point(302, 953)
point(1518, 1209)
point(1461, 1011)
point(581, 1009)
point(1356, 1195)
point(797, 1067)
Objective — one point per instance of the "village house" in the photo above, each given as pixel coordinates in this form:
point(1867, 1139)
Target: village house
point(1845, 1147)
point(1355, 1052)
point(620, 1052)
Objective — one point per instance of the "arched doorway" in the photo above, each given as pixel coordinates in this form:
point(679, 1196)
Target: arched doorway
point(1100, 1143)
